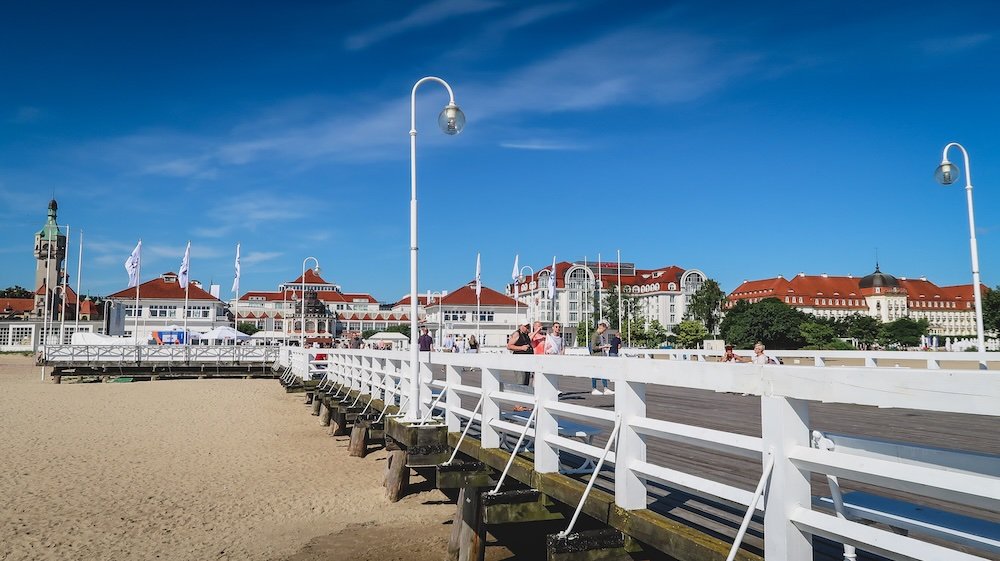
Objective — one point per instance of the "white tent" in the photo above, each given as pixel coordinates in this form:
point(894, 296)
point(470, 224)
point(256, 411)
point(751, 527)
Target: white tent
point(224, 333)
point(397, 340)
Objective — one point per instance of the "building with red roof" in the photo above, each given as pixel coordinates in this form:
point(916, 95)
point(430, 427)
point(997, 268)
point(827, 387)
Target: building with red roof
point(328, 311)
point(461, 314)
point(661, 294)
point(162, 306)
point(950, 310)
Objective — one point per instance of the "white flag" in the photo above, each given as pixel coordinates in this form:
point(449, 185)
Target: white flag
point(236, 281)
point(515, 275)
point(552, 279)
point(479, 283)
point(182, 276)
point(132, 265)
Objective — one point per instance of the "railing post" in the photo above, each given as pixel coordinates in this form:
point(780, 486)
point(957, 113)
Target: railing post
point(426, 376)
point(546, 424)
point(785, 426)
point(818, 361)
point(491, 408)
point(630, 403)
point(453, 378)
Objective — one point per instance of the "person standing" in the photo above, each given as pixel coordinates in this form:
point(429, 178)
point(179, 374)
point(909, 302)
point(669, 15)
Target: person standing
point(760, 358)
point(537, 338)
point(449, 343)
point(425, 342)
point(473, 344)
point(599, 347)
point(554, 341)
point(519, 343)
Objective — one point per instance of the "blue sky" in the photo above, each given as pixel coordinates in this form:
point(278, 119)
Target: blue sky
point(743, 139)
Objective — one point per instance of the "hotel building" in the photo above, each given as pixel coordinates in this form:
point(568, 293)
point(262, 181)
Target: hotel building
point(950, 310)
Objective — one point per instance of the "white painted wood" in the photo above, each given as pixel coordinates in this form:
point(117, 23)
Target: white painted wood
point(710, 439)
point(453, 375)
point(785, 428)
point(546, 424)
point(491, 407)
point(630, 486)
point(870, 538)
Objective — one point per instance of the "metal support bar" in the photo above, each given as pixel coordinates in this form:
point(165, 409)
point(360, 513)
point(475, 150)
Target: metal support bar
point(430, 412)
point(513, 453)
point(753, 506)
point(593, 477)
point(466, 431)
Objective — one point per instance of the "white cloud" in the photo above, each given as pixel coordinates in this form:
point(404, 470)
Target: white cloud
point(26, 114)
point(956, 44)
point(536, 144)
point(254, 257)
point(429, 14)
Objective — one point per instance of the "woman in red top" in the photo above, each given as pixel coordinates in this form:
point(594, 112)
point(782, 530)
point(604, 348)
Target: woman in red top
point(538, 338)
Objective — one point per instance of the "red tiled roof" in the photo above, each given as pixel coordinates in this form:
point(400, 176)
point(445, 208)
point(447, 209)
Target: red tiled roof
point(825, 291)
point(609, 275)
point(159, 289)
point(311, 278)
point(466, 296)
point(421, 300)
point(17, 305)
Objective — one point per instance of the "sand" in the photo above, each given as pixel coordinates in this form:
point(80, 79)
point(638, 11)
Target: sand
point(193, 470)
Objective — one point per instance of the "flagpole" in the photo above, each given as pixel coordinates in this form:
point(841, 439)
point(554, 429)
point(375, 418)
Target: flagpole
point(479, 289)
point(135, 311)
point(588, 300)
point(187, 289)
point(79, 274)
point(620, 305)
point(517, 285)
point(600, 289)
point(62, 296)
point(552, 291)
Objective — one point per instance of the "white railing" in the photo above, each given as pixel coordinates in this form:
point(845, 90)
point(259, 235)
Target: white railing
point(897, 359)
point(124, 355)
point(785, 394)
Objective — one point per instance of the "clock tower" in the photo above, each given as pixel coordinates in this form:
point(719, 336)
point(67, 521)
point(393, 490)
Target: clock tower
point(50, 260)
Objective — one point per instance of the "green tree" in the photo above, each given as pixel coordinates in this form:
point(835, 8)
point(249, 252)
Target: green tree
point(583, 331)
point(863, 329)
point(904, 332)
point(822, 336)
point(706, 305)
point(401, 328)
point(247, 327)
point(769, 321)
point(368, 333)
point(991, 309)
point(690, 334)
point(16, 292)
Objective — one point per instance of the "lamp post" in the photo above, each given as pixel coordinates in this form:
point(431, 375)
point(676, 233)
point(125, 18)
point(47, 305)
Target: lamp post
point(451, 120)
point(531, 273)
point(946, 174)
point(302, 334)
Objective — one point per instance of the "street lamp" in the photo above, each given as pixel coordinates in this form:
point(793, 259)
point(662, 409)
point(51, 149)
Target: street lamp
point(302, 334)
point(946, 174)
point(452, 121)
point(531, 273)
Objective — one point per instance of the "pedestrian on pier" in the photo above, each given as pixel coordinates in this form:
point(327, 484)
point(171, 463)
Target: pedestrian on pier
point(538, 338)
point(599, 347)
point(519, 343)
point(473, 344)
point(760, 358)
point(425, 342)
point(554, 341)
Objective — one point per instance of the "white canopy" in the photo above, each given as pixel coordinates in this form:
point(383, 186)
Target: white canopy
point(388, 336)
point(223, 333)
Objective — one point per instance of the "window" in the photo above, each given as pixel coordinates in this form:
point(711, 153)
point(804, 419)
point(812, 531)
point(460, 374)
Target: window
point(130, 311)
point(199, 311)
point(456, 315)
point(485, 315)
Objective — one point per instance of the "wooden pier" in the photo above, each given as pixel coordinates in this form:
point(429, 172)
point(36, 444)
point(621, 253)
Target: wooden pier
point(677, 518)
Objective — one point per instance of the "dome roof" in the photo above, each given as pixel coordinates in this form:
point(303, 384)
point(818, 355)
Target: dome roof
point(878, 279)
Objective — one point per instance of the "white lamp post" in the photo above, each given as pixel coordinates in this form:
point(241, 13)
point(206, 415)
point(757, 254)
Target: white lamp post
point(946, 174)
point(531, 273)
point(302, 334)
point(452, 121)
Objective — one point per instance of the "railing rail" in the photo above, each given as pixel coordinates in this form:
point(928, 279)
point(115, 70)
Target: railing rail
point(125, 355)
point(785, 394)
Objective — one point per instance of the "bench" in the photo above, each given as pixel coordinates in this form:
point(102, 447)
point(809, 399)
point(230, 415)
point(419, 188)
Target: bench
point(903, 516)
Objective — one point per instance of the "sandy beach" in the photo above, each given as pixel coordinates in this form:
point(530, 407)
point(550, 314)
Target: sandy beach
point(193, 470)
